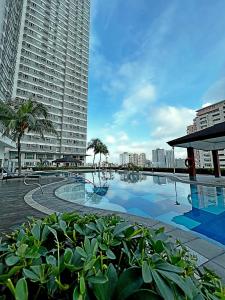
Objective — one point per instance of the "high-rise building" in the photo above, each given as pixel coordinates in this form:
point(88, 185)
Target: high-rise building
point(158, 158)
point(169, 157)
point(10, 20)
point(48, 43)
point(142, 160)
point(207, 117)
point(124, 158)
point(133, 158)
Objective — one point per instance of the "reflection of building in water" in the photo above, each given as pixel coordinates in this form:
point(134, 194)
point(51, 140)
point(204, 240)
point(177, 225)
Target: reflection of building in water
point(159, 180)
point(72, 192)
point(132, 177)
point(206, 196)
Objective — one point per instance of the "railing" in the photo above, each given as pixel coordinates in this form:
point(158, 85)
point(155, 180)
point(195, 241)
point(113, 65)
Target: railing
point(35, 183)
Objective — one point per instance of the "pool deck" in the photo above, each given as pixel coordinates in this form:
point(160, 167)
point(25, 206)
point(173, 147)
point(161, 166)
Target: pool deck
point(14, 211)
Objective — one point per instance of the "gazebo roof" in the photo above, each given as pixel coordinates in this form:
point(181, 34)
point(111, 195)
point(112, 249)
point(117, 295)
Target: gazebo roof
point(211, 138)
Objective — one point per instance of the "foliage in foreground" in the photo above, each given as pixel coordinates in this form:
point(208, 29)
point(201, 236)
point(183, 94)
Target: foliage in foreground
point(73, 257)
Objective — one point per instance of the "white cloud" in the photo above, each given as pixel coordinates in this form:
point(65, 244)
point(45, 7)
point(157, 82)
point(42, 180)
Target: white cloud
point(135, 103)
point(171, 122)
point(206, 104)
point(109, 139)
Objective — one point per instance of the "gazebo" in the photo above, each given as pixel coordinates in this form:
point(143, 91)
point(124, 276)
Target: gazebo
point(67, 160)
point(208, 139)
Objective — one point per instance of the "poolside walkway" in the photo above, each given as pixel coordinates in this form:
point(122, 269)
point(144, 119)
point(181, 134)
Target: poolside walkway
point(209, 254)
point(14, 211)
point(200, 178)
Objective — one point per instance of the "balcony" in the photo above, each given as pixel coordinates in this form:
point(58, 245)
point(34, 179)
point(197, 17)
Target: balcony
point(6, 142)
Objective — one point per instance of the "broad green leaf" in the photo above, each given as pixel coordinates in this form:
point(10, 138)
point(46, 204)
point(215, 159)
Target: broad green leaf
point(63, 225)
point(178, 281)
point(68, 255)
point(31, 275)
point(91, 226)
point(100, 225)
point(78, 229)
point(54, 232)
point(144, 294)
point(36, 232)
point(87, 245)
point(168, 267)
point(164, 289)
point(45, 233)
point(121, 227)
point(104, 291)
point(89, 265)
point(1, 268)
point(110, 254)
point(82, 285)
point(129, 281)
point(159, 246)
point(81, 252)
point(98, 279)
point(94, 246)
point(146, 272)
point(22, 250)
point(103, 247)
point(51, 260)
point(77, 295)
point(21, 291)
point(11, 260)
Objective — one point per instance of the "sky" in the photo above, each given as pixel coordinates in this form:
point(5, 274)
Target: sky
point(152, 65)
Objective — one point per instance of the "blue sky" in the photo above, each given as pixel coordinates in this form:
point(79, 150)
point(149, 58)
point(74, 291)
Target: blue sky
point(152, 64)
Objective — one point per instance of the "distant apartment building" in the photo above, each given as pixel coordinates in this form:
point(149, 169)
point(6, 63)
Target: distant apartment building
point(142, 160)
point(124, 158)
point(207, 117)
point(158, 158)
point(133, 158)
point(180, 163)
point(44, 51)
point(169, 157)
point(162, 158)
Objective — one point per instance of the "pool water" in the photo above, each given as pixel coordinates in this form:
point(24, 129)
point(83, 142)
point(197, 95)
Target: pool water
point(191, 207)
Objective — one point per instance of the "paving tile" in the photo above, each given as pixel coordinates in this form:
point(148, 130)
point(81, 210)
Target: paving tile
point(201, 259)
point(205, 248)
point(220, 271)
point(182, 236)
point(220, 260)
point(167, 228)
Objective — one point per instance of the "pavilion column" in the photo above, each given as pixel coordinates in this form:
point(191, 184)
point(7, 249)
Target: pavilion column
point(216, 163)
point(191, 163)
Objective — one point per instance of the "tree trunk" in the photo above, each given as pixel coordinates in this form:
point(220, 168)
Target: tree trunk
point(19, 155)
point(99, 164)
point(94, 160)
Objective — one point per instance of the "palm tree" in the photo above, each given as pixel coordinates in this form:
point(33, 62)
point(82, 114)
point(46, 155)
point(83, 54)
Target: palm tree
point(21, 117)
point(94, 144)
point(102, 150)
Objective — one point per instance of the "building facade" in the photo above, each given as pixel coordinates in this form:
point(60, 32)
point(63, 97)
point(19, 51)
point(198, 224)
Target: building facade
point(169, 157)
point(52, 67)
point(158, 158)
point(133, 158)
point(10, 21)
point(142, 160)
point(207, 117)
point(124, 158)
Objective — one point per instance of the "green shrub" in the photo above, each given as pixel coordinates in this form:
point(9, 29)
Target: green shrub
point(70, 256)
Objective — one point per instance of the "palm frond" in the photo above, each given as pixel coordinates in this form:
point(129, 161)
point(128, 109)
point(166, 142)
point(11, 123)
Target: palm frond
point(43, 126)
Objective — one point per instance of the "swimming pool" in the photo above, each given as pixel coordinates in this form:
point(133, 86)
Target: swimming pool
point(191, 207)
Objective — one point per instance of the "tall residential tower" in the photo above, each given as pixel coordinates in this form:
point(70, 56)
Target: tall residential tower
point(51, 66)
